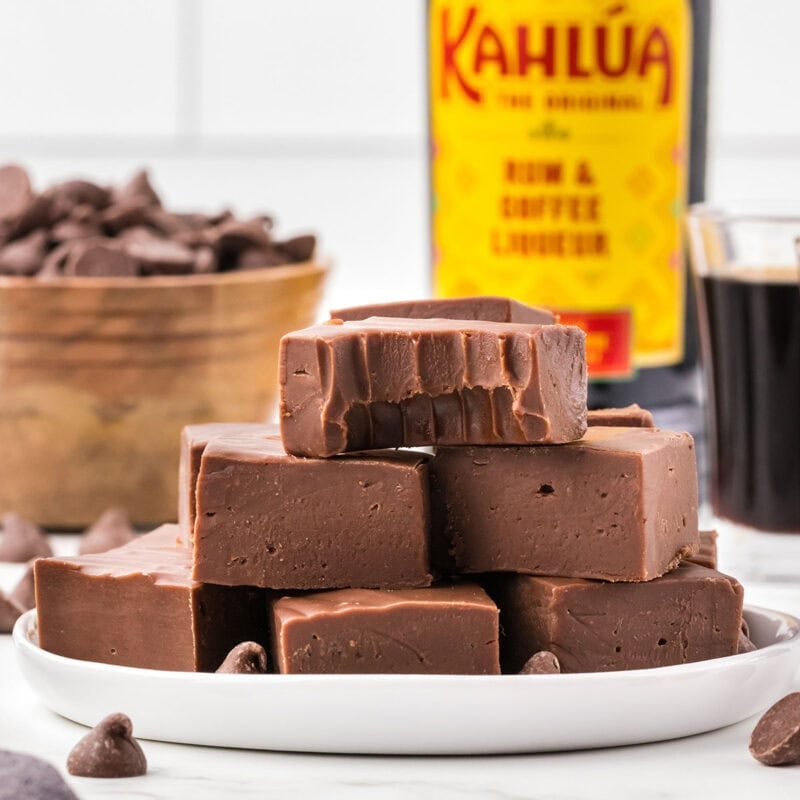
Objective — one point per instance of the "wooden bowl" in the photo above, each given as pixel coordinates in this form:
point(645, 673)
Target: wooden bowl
point(99, 375)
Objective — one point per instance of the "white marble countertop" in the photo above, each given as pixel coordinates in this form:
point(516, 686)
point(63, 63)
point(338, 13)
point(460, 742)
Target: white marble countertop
point(710, 765)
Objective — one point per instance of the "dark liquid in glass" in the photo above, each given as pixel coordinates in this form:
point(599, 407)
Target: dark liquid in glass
point(751, 342)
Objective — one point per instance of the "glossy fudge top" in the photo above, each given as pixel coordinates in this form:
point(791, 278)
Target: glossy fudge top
point(345, 601)
point(632, 416)
point(194, 439)
point(390, 382)
point(496, 309)
point(163, 555)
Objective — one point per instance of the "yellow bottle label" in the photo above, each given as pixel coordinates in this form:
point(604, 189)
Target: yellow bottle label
point(559, 164)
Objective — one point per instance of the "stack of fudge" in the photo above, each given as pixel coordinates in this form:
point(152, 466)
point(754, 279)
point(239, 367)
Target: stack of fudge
point(533, 525)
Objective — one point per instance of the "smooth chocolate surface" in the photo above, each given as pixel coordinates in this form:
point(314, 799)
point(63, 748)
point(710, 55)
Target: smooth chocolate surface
point(441, 630)
point(387, 382)
point(265, 518)
point(490, 309)
point(108, 751)
point(138, 606)
point(194, 439)
point(618, 505)
point(706, 556)
point(632, 416)
point(775, 740)
point(689, 614)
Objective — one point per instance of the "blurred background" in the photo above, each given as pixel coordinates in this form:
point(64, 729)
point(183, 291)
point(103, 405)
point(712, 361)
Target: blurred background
point(315, 111)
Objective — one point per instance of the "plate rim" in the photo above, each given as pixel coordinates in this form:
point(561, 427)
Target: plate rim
point(28, 621)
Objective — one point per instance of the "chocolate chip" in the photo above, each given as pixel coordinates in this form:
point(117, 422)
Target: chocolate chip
point(139, 190)
point(24, 256)
point(161, 256)
point(745, 628)
point(25, 777)
point(112, 529)
point(247, 658)
point(22, 540)
point(70, 228)
point(542, 663)
point(54, 261)
point(24, 593)
point(100, 258)
point(299, 248)
point(15, 192)
point(108, 751)
point(776, 738)
point(238, 235)
point(125, 215)
point(68, 194)
point(10, 612)
point(36, 215)
point(258, 258)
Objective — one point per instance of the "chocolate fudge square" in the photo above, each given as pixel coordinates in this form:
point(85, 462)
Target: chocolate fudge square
point(138, 606)
point(450, 629)
point(619, 505)
point(265, 518)
point(690, 614)
point(194, 439)
point(389, 382)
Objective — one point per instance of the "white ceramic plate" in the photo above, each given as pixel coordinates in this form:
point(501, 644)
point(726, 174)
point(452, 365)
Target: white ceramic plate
point(431, 714)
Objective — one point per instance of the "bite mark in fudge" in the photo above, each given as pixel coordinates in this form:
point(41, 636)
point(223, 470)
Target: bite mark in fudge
point(388, 382)
point(138, 606)
point(194, 439)
point(689, 614)
point(490, 309)
point(441, 630)
point(632, 416)
point(618, 505)
point(265, 518)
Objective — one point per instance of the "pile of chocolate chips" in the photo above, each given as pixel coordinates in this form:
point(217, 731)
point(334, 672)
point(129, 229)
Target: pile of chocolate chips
point(82, 229)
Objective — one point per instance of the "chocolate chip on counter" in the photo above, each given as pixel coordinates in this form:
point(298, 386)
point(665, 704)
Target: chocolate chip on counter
point(542, 663)
point(16, 193)
point(247, 658)
point(24, 256)
point(24, 593)
point(161, 256)
point(138, 190)
point(10, 612)
point(100, 258)
point(23, 776)
point(112, 529)
point(108, 751)
point(775, 740)
point(298, 248)
point(22, 540)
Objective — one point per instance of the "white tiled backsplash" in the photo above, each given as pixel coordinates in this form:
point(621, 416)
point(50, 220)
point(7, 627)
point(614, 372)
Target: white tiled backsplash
point(316, 109)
